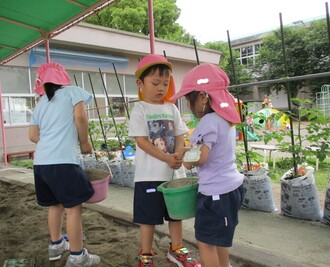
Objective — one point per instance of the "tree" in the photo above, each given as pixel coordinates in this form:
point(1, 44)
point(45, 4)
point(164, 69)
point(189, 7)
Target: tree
point(132, 16)
point(306, 52)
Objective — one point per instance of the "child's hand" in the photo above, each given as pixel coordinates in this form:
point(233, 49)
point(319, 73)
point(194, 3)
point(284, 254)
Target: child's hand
point(181, 151)
point(86, 148)
point(174, 161)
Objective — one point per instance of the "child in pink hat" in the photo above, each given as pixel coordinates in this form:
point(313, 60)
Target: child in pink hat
point(158, 130)
point(220, 183)
point(59, 126)
point(50, 73)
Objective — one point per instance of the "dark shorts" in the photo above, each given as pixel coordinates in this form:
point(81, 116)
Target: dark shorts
point(64, 184)
point(217, 217)
point(149, 204)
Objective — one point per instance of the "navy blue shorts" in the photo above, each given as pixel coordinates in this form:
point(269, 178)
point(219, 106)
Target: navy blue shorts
point(217, 217)
point(149, 204)
point(65, 184)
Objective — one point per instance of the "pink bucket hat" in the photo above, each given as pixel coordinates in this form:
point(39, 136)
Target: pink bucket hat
point(212, 80)
point(50, 73)
point(149, 61)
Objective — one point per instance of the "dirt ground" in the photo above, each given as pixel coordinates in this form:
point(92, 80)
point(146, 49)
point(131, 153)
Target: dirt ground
point(24, 234)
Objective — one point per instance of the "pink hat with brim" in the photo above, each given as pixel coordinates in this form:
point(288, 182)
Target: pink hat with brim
point(212, 80)
point(50, 73)
point(149, 61)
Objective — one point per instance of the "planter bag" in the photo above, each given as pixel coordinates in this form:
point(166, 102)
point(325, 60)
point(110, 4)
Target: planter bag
point(115, 166)
point(299, 197)
point(258, 194)
point(326, 216)
point(127, 172)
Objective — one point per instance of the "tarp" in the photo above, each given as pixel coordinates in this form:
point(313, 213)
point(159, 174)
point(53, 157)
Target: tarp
point(25, 24)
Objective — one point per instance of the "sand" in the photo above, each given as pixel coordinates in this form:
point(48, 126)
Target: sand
point(24, 233)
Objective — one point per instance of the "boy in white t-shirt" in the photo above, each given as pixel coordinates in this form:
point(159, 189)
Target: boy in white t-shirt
point(158, 130)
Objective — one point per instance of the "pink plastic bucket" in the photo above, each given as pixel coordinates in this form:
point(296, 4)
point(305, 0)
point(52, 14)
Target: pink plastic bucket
point(101, 190)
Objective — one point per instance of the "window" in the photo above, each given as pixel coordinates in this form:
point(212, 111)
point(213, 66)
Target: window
point(249, 50)
point(19, 99)
point(93, 112)
point(113, 85)
point(130, 85)
point(256, 48)
point(17, 110)
point(93, 82)
point(248, 54)
point(15, 80)
point(76, 77)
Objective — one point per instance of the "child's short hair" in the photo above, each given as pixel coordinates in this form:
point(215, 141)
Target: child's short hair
point(163, 70)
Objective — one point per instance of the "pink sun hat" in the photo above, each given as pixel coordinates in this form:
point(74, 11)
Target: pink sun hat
point(212, 80)
point(50, 73)
point(149, 61)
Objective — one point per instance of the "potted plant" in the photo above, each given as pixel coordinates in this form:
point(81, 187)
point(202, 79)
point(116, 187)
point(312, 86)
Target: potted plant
point(326, 214)
point(257, 186)
point(299, 197)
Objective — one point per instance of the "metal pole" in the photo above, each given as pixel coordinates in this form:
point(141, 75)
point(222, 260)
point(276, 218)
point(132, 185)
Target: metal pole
point(247, 155)
point(281, 80)
point(195, 47)
point(121, 90)
point(151, 27)
point(107, 106)
point(3, 130)
point(100, 120)
point(113, 117)
point(328, 22)
point(289, 95)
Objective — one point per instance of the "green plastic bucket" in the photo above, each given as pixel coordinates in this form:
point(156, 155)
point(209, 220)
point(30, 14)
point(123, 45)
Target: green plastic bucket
point(181, 199)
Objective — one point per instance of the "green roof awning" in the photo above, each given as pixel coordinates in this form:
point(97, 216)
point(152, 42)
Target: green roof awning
point(25, 24)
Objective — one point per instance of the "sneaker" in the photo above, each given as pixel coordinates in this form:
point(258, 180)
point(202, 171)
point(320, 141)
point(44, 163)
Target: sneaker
point(182, 258)
point(146, 261)
point(55, 251)
point(85, 260)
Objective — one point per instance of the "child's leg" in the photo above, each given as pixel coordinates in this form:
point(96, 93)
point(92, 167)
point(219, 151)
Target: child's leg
point(223, 254)
point(74, 227)
point(177, 253)
point(147, 235)
point(55, 220)
point(208, 255)
point(175, 228)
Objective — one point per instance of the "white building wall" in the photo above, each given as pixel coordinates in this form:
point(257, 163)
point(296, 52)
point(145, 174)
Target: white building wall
point(96, 39)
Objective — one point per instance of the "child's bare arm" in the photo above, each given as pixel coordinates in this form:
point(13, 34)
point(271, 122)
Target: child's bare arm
point(172, 160)
point(205, 151)
point(179, 145)
point(34, 133)
point(81, 121)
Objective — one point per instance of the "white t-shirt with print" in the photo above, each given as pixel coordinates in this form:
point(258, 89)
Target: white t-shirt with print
point(161, 124)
